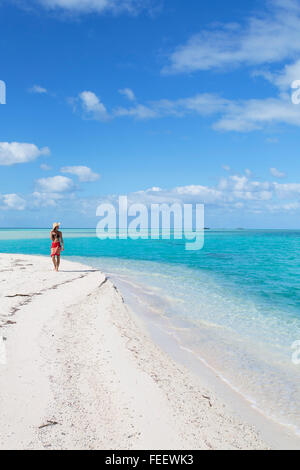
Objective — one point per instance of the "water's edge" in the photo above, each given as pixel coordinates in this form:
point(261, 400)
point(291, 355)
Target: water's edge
point(277, 436)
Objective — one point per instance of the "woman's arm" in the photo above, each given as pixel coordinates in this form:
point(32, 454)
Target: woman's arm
point(51, 235)
point(62, 241)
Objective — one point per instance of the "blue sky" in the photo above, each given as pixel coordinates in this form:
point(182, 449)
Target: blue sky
point(163, 100)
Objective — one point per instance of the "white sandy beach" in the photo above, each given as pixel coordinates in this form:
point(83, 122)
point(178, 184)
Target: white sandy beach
point(83, 373)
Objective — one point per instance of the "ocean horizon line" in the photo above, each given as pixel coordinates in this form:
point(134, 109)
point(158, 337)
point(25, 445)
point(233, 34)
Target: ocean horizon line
point(160, 228)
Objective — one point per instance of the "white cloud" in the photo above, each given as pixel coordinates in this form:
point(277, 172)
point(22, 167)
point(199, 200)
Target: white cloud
point(12, 153)
point(128, 93)
point(55, 184)
point(268, 37)
point(92, 106)
point(238, 116)
point(84, 173)
point(277, 173)
point(284, 207)
point(96, 6)
point(139, 112)
point(237, 192)
point(45, 167)
point(287, 190)
point(41, 199)
point(285, 77)
point(203, 104)
point(282, 79)
point(12, 202)
point(38, 89)
point(202, 193)
point(229, 115)
point(255, 114)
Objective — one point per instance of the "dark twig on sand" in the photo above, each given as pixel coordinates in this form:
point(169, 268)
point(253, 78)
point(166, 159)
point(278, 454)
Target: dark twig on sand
point(7, 323)
point(49, 423)
point(17, 295)
point(207, 398)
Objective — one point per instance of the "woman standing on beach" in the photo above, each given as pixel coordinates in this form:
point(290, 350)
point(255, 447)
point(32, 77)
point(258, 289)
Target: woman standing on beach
point(57, 245)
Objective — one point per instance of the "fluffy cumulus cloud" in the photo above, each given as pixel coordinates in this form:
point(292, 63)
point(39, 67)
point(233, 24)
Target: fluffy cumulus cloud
point(12, 153)
point(84, 173)
point(50, 191)
point(55, 184)
point(263, 38)
point(40, 199)
point(92, 106)
point(12, 202)
point(234, 193)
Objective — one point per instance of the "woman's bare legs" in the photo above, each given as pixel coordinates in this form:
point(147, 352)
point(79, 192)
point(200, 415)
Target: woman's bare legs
point(57, 263)
point(54, 263)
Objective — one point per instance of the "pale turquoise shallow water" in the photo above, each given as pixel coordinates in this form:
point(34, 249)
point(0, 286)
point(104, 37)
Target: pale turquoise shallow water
point(236, 303)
